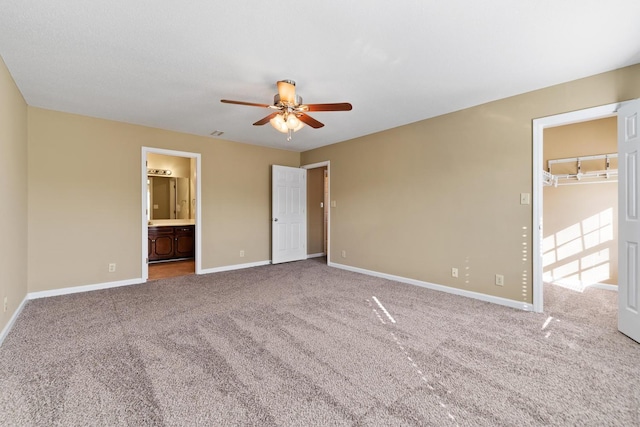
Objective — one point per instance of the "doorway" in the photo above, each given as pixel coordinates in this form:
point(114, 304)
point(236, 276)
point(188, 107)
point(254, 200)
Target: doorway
point(172, 239)
point(539, 126)
point(318, 212)
point(580, 199)
point(580, 214)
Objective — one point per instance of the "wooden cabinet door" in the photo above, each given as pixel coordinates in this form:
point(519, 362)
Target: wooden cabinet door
point(161, 246)
point(184, 242)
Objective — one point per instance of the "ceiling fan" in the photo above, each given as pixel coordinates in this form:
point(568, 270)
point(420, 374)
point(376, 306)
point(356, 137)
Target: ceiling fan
point(290, 113)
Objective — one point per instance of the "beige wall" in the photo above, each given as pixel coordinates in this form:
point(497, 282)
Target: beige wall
point(315, 213)
point(13, 193)
point(93, 217)
point(581, 221)
point(417, 200)
point(412, 201)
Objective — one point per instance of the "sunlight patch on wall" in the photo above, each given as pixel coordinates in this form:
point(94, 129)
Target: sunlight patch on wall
point(570, 256)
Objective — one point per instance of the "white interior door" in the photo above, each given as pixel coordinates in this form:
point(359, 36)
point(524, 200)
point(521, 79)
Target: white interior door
point(628, 220)
point(289, 214)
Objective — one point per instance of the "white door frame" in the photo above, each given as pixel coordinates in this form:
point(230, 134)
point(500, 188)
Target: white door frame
point(145, 224)
point(538, 144)
point(321, 165)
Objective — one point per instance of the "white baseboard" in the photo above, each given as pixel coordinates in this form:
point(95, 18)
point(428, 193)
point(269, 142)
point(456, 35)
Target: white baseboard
point(469, 294)
point(234, 267)
point(108, 285)
point(318, 255)
point(9, 325)
point(579, 286)
point(604, 286)
point(85, 288)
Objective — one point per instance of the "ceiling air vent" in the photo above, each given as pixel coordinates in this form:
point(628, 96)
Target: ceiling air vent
point(216, 133)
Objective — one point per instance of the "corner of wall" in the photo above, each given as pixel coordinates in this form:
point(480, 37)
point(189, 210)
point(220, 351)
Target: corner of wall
point(13, 173)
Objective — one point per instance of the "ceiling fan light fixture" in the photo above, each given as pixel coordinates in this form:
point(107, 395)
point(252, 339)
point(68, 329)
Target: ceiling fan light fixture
point(279, 123)
point(286, 122)
point(294, 123)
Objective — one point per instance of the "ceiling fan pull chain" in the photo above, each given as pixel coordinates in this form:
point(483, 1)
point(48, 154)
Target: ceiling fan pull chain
point(289, 136)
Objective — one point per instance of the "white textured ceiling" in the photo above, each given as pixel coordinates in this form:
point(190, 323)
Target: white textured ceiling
point(167, 64)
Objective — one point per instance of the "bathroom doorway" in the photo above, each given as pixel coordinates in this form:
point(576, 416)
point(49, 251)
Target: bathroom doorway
point(170, 213)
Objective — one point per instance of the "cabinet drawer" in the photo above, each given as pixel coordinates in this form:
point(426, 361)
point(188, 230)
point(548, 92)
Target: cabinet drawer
point(184, 230)
point(160, 231)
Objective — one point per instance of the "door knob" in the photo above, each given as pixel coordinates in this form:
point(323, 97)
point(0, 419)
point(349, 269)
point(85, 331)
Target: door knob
point(275, 219)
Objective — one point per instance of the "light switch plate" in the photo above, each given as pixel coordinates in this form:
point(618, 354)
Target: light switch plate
point(525, 198)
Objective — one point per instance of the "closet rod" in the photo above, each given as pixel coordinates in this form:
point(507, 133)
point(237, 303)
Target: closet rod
point(577, 178)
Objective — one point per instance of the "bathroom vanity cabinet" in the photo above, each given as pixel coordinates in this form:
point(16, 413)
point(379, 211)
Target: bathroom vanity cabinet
point(171, 242)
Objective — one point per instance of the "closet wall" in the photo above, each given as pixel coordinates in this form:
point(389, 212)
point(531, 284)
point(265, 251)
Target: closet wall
point(580, 218)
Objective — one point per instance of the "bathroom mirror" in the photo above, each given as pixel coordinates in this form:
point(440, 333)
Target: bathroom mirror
point(169, 198)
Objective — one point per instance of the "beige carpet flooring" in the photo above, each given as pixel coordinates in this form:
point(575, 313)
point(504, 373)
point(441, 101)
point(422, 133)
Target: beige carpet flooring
point(303, 344)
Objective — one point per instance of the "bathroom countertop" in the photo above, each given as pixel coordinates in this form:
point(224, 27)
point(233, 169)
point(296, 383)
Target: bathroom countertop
point(171, 222)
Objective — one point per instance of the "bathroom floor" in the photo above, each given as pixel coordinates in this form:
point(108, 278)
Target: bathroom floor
point(171, 269)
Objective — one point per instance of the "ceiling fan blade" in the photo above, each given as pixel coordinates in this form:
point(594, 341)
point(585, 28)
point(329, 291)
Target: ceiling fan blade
point(309, 120)
point(287, 91)
point(265, 120)
point(341, 106)
point(251, 104)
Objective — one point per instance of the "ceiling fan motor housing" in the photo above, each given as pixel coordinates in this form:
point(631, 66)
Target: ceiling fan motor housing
point(278, 103)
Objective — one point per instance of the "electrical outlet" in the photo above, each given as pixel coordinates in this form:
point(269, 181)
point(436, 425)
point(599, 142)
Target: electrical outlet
point(6, 304)
point(454, 272)
point(499, 280)
point(241, 253)
point(344, 253)
point(112, 267)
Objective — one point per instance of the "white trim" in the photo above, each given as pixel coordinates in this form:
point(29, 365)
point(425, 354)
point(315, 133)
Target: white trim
point(198, 215)
point(326, 163)
point(85, 288)
point(318, 255)
point(316, 165)
point(234, 267)
point(578, 286)
point(538, 144)
point(9, 324)
point(461, 292)
point(198, 227)
point(605, 286)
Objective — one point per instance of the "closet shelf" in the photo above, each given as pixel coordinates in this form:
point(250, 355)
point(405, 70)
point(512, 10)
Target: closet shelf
point(581, 177)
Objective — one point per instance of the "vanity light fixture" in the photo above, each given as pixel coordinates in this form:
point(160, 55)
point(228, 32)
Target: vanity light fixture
point(161, 172)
